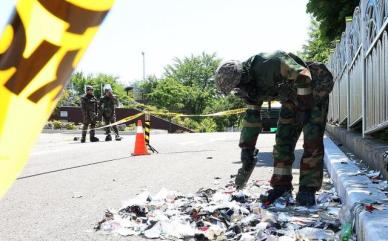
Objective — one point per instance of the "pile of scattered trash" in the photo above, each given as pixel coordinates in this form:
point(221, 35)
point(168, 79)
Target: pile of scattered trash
point(223, 213)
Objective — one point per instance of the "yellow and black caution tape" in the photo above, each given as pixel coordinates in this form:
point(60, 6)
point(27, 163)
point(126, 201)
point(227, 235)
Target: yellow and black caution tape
point(132, 117)
point(34, 68)
point(126, 119)
point(221, 113)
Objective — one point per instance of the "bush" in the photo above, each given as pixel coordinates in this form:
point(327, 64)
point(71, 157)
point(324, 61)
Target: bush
point(70, 126)
point(57, 125)
point(121, 127)
point(131, 127)
point(207, 125)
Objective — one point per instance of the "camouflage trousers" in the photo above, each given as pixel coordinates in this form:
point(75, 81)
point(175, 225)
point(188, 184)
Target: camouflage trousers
point(289, 130)
point(109, 120)
point(251, 129)
point(86, 123)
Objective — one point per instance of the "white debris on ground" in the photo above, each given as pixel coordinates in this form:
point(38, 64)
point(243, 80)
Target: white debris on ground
point(223, 213)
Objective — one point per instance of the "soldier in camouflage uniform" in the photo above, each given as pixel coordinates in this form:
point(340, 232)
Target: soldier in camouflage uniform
point(312, 123)
point(107, 109)
point(89, 113)
point(263, 77)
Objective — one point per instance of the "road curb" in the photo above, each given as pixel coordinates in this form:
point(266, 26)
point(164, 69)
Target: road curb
point(368, 149)
point(354, 189)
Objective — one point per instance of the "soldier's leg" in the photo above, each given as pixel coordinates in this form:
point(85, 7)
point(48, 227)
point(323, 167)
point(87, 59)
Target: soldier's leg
point(115, 130)
point(84, 130)
point(93, 138)
point(251, 128)
point(283, 153)
point(107, 129)
point(311, 166)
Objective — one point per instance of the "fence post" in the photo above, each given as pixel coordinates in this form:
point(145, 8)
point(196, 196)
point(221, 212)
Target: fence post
point(347, 70)
point(363, 49)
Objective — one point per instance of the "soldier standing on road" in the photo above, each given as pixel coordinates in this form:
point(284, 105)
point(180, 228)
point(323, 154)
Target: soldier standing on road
point(89, 113)
point(107, 109)
point(265, 77)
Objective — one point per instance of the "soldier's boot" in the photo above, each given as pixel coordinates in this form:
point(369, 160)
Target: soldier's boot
point(108, 137)
point(306, 196)
point(93, 138)
point(83, 138)
point(248, 159)
point(275, 193)
point(242, 177)
point(118, 138)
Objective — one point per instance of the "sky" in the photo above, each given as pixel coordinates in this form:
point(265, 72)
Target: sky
point(165, 29)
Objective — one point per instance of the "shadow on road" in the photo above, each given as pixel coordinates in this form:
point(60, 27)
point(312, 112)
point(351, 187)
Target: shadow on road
point(182, 152)
point(266, 159)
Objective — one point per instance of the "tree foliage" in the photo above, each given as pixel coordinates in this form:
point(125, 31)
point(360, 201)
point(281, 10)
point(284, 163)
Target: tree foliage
point(317, 48)
point(76, 88)
point(331, 15)
point(187, 86)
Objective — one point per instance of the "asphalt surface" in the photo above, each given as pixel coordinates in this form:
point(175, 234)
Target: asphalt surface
point(66, 186)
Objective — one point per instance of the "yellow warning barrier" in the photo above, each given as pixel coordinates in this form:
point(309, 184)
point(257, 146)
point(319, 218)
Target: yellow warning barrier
point(126, 119)
point(39, 48)
point(221, 113)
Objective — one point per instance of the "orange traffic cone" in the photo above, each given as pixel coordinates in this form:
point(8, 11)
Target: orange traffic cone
point(140, 145)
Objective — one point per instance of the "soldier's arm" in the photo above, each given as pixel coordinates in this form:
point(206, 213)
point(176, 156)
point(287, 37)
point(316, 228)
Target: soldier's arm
point(83, 106)
point(302, 81)
point(99, 105)
point(298, 73)
point(323, 81)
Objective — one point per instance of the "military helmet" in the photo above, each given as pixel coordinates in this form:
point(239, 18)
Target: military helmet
point(228, 75)
point(107, 87)
point(88, 87)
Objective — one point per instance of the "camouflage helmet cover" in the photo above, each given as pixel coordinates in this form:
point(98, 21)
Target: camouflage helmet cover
point(228, 75)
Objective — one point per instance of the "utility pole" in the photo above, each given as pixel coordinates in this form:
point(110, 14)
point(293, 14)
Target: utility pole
point(143, 54)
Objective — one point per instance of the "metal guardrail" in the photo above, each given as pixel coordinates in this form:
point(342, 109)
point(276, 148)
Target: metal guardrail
point(359, 65)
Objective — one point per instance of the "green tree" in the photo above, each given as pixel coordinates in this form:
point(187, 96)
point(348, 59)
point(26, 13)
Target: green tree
point(195, 71)
point(331, 15)
point(77, 84)
point(170, 94)
point(317, 48)
point(187, 86)
point(228, 102)
point(142, 88)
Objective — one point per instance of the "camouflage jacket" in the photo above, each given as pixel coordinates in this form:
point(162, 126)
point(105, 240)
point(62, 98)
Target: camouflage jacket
point(322, 80)
point(270, 76)
point(107, 106)
point(89, 107)
point(321, 84)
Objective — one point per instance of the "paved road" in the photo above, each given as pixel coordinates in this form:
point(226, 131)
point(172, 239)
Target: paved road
point(40, 205)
